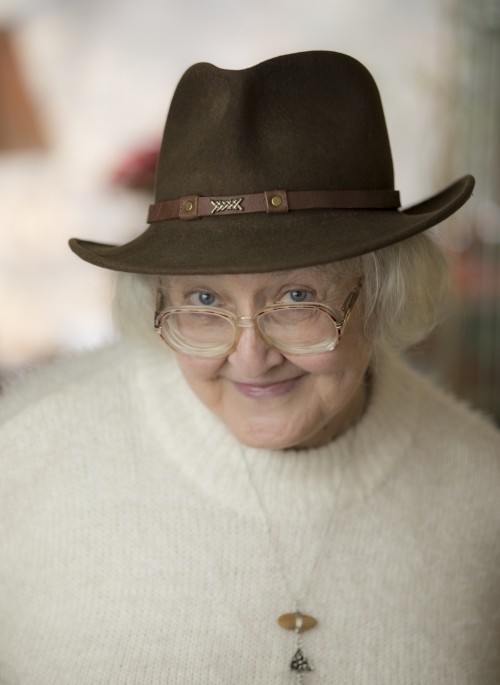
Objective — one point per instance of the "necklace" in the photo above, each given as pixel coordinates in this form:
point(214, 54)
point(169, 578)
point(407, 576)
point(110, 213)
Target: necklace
point(297, 621)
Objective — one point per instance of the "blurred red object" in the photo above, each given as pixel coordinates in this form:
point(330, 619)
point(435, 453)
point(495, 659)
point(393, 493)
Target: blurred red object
point(137, 171)
point(475, 275)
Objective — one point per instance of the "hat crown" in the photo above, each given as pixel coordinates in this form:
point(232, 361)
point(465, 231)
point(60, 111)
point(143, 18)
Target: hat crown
point(305, 121)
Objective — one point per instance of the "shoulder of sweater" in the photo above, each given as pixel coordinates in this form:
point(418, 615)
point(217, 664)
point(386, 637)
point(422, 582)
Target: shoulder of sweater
point(449, 426)
point(457, 411)
point(65, 374)
point(451, 466)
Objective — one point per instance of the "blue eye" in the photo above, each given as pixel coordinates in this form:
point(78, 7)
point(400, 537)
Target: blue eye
point(204, 298)
point(298, 295)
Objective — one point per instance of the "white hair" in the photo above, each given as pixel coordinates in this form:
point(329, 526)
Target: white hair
point(404, 287)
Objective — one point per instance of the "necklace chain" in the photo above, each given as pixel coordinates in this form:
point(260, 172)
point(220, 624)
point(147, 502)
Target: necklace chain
point(272, 541)
point(300, 662)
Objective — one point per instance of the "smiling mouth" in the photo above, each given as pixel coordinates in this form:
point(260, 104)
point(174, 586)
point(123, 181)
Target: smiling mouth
point(269, 389)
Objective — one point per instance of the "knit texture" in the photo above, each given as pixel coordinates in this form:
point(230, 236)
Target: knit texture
point(133, 550)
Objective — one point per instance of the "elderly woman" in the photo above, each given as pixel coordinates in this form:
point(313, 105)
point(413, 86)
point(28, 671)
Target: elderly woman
point(263, 491)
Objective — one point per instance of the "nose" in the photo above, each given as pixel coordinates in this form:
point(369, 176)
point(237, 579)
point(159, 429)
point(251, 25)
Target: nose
point(252, 358)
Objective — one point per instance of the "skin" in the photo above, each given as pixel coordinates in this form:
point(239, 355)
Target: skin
point(266, 398)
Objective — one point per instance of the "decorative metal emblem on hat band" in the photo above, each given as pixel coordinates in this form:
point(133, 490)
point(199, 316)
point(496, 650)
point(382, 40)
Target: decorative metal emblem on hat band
point(223, 205)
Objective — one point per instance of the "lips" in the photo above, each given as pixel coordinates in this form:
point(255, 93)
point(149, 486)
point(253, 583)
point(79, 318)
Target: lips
point(267, 390)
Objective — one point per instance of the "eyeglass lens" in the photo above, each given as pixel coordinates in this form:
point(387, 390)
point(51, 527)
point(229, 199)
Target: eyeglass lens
point(299, 330)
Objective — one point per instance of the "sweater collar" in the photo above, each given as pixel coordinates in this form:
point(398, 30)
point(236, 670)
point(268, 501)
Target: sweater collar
point(344, 471)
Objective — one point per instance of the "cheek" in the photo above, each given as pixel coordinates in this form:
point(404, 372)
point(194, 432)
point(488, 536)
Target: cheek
point(330, 363)
point(199, 370)
point(202, 377)
point(318, 364)
point(348, 360)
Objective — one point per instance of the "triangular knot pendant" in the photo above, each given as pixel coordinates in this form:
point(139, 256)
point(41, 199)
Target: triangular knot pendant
point(299, 662)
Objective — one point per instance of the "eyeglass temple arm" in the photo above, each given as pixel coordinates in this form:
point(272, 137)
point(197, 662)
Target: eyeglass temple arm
point(159, 306)
point(350, 301)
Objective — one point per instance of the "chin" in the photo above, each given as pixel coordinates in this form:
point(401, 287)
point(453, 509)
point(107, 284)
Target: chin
point(265, 435)
point(259, 442)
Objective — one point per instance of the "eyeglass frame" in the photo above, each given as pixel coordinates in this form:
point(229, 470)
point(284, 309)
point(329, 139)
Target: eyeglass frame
point(240, 322)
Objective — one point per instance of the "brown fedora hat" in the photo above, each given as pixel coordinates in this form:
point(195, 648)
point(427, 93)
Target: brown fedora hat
point(283, 165)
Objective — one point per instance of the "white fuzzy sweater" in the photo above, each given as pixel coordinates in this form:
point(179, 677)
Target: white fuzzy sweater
point(133, 550)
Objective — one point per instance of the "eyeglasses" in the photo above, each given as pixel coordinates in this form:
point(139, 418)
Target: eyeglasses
point(210, 332)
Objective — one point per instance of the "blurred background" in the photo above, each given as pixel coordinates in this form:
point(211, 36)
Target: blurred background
point(84, 90)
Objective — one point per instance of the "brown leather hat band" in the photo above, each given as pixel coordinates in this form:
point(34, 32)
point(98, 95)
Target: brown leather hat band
point(272, 202)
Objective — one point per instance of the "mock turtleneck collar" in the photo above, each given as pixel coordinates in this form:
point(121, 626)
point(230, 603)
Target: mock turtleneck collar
point(290, 482)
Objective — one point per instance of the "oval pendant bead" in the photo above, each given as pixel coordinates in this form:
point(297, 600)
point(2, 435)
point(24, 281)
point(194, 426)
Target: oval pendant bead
point(288, 622)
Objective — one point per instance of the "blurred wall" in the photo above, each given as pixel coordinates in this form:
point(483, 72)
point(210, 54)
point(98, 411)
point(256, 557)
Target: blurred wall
point(100, 75)
point(464, 353)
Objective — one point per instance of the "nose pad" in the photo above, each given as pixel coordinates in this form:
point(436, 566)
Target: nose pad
point(246, 322)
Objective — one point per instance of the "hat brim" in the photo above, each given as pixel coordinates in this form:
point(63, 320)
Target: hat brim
point(255, 243)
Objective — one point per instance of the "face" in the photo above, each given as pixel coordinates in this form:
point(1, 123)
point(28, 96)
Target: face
point(267, 398)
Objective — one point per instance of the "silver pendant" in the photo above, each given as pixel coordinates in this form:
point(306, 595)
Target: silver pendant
point(300, 662)
point(299, 623)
